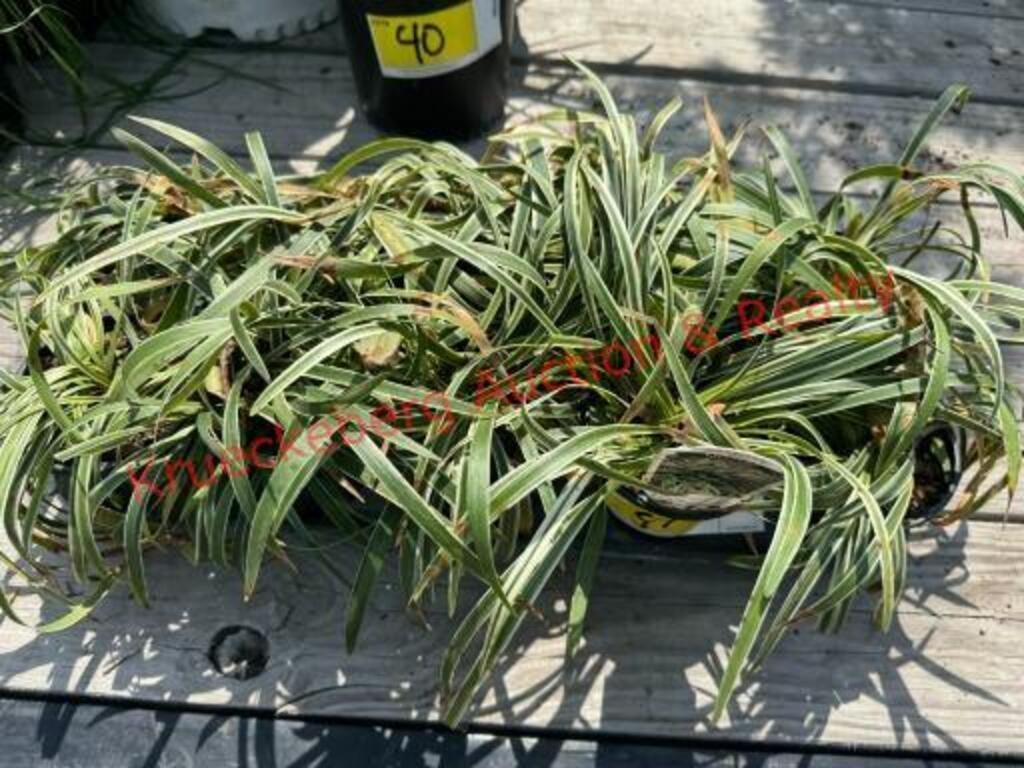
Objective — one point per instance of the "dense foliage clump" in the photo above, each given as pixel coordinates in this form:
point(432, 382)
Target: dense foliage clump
point(215, 354)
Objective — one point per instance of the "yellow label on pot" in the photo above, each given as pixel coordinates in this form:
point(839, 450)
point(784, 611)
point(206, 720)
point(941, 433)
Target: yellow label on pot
point(428, 44)
point(645, 521)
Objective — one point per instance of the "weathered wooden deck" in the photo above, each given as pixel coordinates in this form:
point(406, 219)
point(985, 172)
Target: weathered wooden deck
point(846, 81)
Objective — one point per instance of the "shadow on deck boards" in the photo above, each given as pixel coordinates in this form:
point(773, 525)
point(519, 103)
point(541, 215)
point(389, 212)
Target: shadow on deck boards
point(656, 633)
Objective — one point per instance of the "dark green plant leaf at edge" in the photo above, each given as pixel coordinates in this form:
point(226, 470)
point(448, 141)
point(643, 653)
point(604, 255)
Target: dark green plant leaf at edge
point(382, 539)
point(794, 517)
point(586, 569)
point(474, 494)
point(286, 482)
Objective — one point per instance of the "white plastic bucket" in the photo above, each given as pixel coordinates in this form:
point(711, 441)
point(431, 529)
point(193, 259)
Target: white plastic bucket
point(250, 20)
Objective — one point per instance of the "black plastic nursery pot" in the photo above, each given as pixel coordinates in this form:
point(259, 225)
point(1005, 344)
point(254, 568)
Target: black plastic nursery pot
point(938, 466)
point(435, 69)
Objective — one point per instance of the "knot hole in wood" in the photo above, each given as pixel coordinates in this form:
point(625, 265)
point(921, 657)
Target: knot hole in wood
point(238, 651)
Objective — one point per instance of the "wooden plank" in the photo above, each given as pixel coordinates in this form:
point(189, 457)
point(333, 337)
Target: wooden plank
point(52, 734)
point(986, 9)
point(330, 38)
point(854, 48)
point(12, 356)
point(656, 638)
point(313, 118)
point(910, 47)
point(31, 170)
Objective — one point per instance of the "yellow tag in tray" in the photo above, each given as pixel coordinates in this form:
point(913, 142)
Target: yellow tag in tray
point(696, 490)
point(429, 44)
point(644, 520)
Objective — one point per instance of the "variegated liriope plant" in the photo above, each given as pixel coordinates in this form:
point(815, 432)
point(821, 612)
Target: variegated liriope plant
point(189, 308)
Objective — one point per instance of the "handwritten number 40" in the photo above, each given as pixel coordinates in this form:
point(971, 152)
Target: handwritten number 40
point(425, 39)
